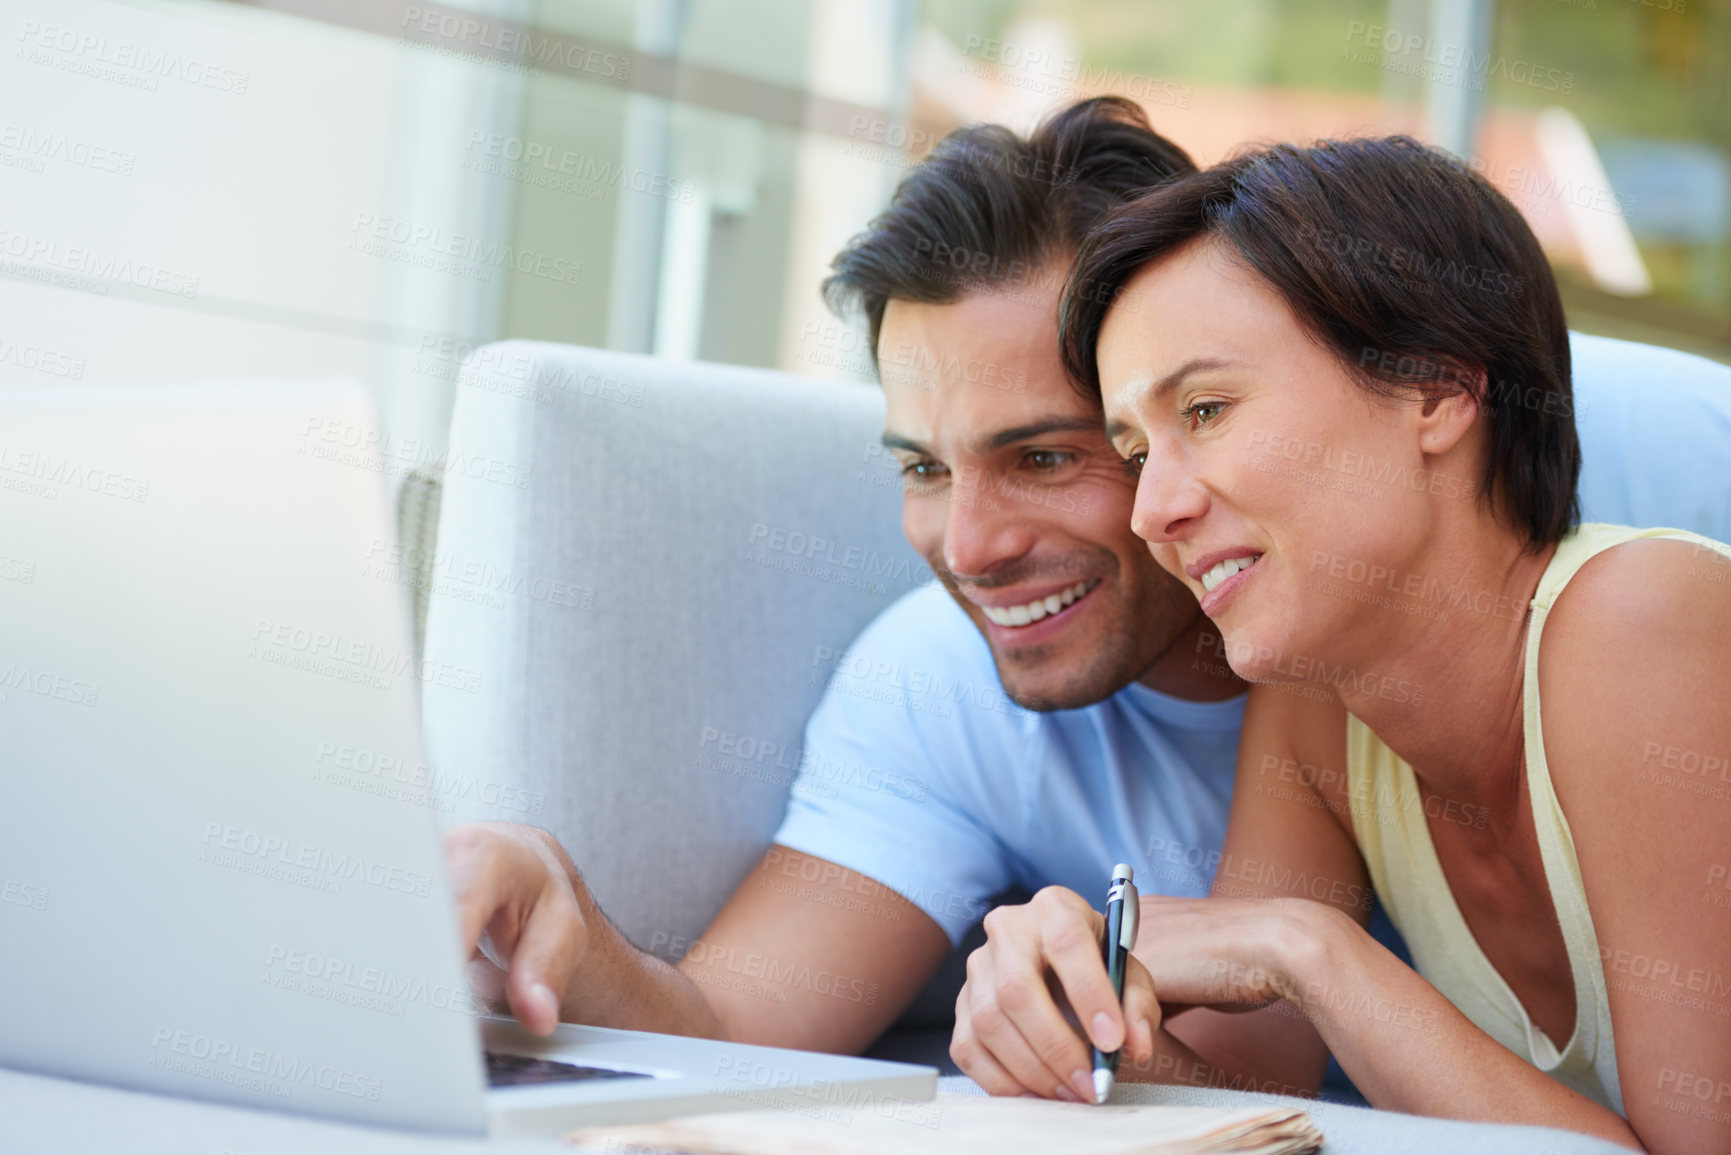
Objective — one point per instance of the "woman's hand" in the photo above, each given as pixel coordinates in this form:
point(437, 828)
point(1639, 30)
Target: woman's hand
point(1232, 954)
point(1039, 974)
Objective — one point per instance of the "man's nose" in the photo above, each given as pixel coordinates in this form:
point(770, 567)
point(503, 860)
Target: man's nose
point(984, 530)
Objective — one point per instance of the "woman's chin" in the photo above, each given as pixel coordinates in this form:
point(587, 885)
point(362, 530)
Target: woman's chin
point(1265, 655)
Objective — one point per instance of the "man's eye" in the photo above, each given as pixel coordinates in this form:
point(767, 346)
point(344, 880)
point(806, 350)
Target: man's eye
point(1133, 465)
point(922, 470)
point(1046, 458)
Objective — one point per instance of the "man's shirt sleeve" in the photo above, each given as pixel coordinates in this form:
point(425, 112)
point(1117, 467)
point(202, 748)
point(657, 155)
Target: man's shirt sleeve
point(909, 773)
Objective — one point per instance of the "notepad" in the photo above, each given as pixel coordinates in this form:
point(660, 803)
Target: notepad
point(970, 1124)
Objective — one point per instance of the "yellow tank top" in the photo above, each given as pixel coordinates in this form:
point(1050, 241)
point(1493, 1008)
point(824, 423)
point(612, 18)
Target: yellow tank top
point(1389, 822)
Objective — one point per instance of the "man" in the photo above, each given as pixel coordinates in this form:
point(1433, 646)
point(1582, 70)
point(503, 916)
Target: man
point(1118, 736)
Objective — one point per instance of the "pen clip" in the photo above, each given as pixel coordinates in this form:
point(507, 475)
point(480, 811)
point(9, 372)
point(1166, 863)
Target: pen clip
point(1131, 920)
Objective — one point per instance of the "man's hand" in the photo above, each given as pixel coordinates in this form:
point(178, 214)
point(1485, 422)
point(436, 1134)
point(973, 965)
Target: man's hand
point(520, 916)
point(1038, 975)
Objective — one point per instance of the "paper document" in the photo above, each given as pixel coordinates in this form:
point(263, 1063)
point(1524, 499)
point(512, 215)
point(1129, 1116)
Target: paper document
point(966, 1124)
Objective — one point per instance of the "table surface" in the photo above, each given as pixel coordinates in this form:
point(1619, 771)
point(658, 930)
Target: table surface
point(47, 1116)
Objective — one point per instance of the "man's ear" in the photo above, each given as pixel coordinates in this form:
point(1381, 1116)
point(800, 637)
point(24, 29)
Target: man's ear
point(1450, 407)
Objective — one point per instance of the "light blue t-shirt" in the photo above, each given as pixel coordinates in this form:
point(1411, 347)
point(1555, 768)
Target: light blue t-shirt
point(921, 774)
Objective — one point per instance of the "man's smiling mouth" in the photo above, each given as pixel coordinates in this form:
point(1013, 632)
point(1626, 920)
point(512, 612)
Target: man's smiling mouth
point(1033, 611)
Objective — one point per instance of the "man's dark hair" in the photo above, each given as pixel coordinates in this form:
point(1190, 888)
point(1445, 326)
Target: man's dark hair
point(1420, 277)
point(988, 208)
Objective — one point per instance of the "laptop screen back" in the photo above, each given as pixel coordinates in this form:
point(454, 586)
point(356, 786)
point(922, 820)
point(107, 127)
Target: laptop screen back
point(220, 875)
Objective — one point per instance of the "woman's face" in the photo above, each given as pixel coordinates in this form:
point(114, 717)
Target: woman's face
point(1284, 495)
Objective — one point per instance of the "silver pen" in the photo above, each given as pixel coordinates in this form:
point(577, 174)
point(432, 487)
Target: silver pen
point(1123, 918)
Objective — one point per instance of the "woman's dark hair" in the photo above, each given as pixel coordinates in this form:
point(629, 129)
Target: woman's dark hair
point(989, 208)
point(1412, 270)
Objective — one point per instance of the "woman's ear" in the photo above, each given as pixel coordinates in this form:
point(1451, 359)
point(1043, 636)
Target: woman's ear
point(1446, 414)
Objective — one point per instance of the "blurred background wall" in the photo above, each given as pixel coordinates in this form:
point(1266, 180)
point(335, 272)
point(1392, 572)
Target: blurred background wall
point(243, 189)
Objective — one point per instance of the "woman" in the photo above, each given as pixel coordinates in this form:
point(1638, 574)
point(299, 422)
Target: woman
point(1341, 374)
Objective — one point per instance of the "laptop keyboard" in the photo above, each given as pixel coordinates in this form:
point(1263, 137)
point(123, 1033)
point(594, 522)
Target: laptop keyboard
point(525, 1070)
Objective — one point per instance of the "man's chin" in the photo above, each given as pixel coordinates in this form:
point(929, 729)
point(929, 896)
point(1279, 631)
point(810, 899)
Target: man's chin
point(1051, 686)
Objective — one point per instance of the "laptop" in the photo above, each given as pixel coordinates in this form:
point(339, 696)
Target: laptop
point(197, 895)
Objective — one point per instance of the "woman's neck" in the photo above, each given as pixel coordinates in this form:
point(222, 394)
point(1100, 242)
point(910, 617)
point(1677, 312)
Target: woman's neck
point(1459, 721)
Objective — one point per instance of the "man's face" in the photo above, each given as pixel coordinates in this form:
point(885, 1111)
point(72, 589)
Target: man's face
point(1017, 500)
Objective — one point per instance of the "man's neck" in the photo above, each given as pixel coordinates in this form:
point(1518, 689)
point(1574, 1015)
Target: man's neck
point(1194, 666)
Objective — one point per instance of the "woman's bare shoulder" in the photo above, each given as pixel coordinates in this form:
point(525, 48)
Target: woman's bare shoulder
point(1636, 657)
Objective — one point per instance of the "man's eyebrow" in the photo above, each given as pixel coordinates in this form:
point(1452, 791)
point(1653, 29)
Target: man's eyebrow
point(1006, 437)
point(1020, 433)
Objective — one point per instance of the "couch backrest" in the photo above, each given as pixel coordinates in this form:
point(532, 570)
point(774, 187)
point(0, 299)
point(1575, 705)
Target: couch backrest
point(642, 572)
point(1655, 428)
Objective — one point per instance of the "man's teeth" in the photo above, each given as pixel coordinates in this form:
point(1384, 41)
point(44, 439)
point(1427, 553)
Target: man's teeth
point(1226, 569)
point(1035, 610)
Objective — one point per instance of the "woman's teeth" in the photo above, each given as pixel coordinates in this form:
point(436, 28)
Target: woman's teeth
point(1226, 569)
point(1035, 610)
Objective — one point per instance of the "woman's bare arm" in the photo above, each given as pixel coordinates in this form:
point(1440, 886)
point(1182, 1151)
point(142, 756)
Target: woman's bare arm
point(1635, 677)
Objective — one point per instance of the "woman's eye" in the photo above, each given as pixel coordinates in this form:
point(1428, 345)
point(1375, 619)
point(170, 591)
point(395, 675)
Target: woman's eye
point(1203, 412)
point(1133, 465)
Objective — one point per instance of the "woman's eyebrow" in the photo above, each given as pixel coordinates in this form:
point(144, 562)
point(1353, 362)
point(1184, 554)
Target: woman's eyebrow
point(1146, 389)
